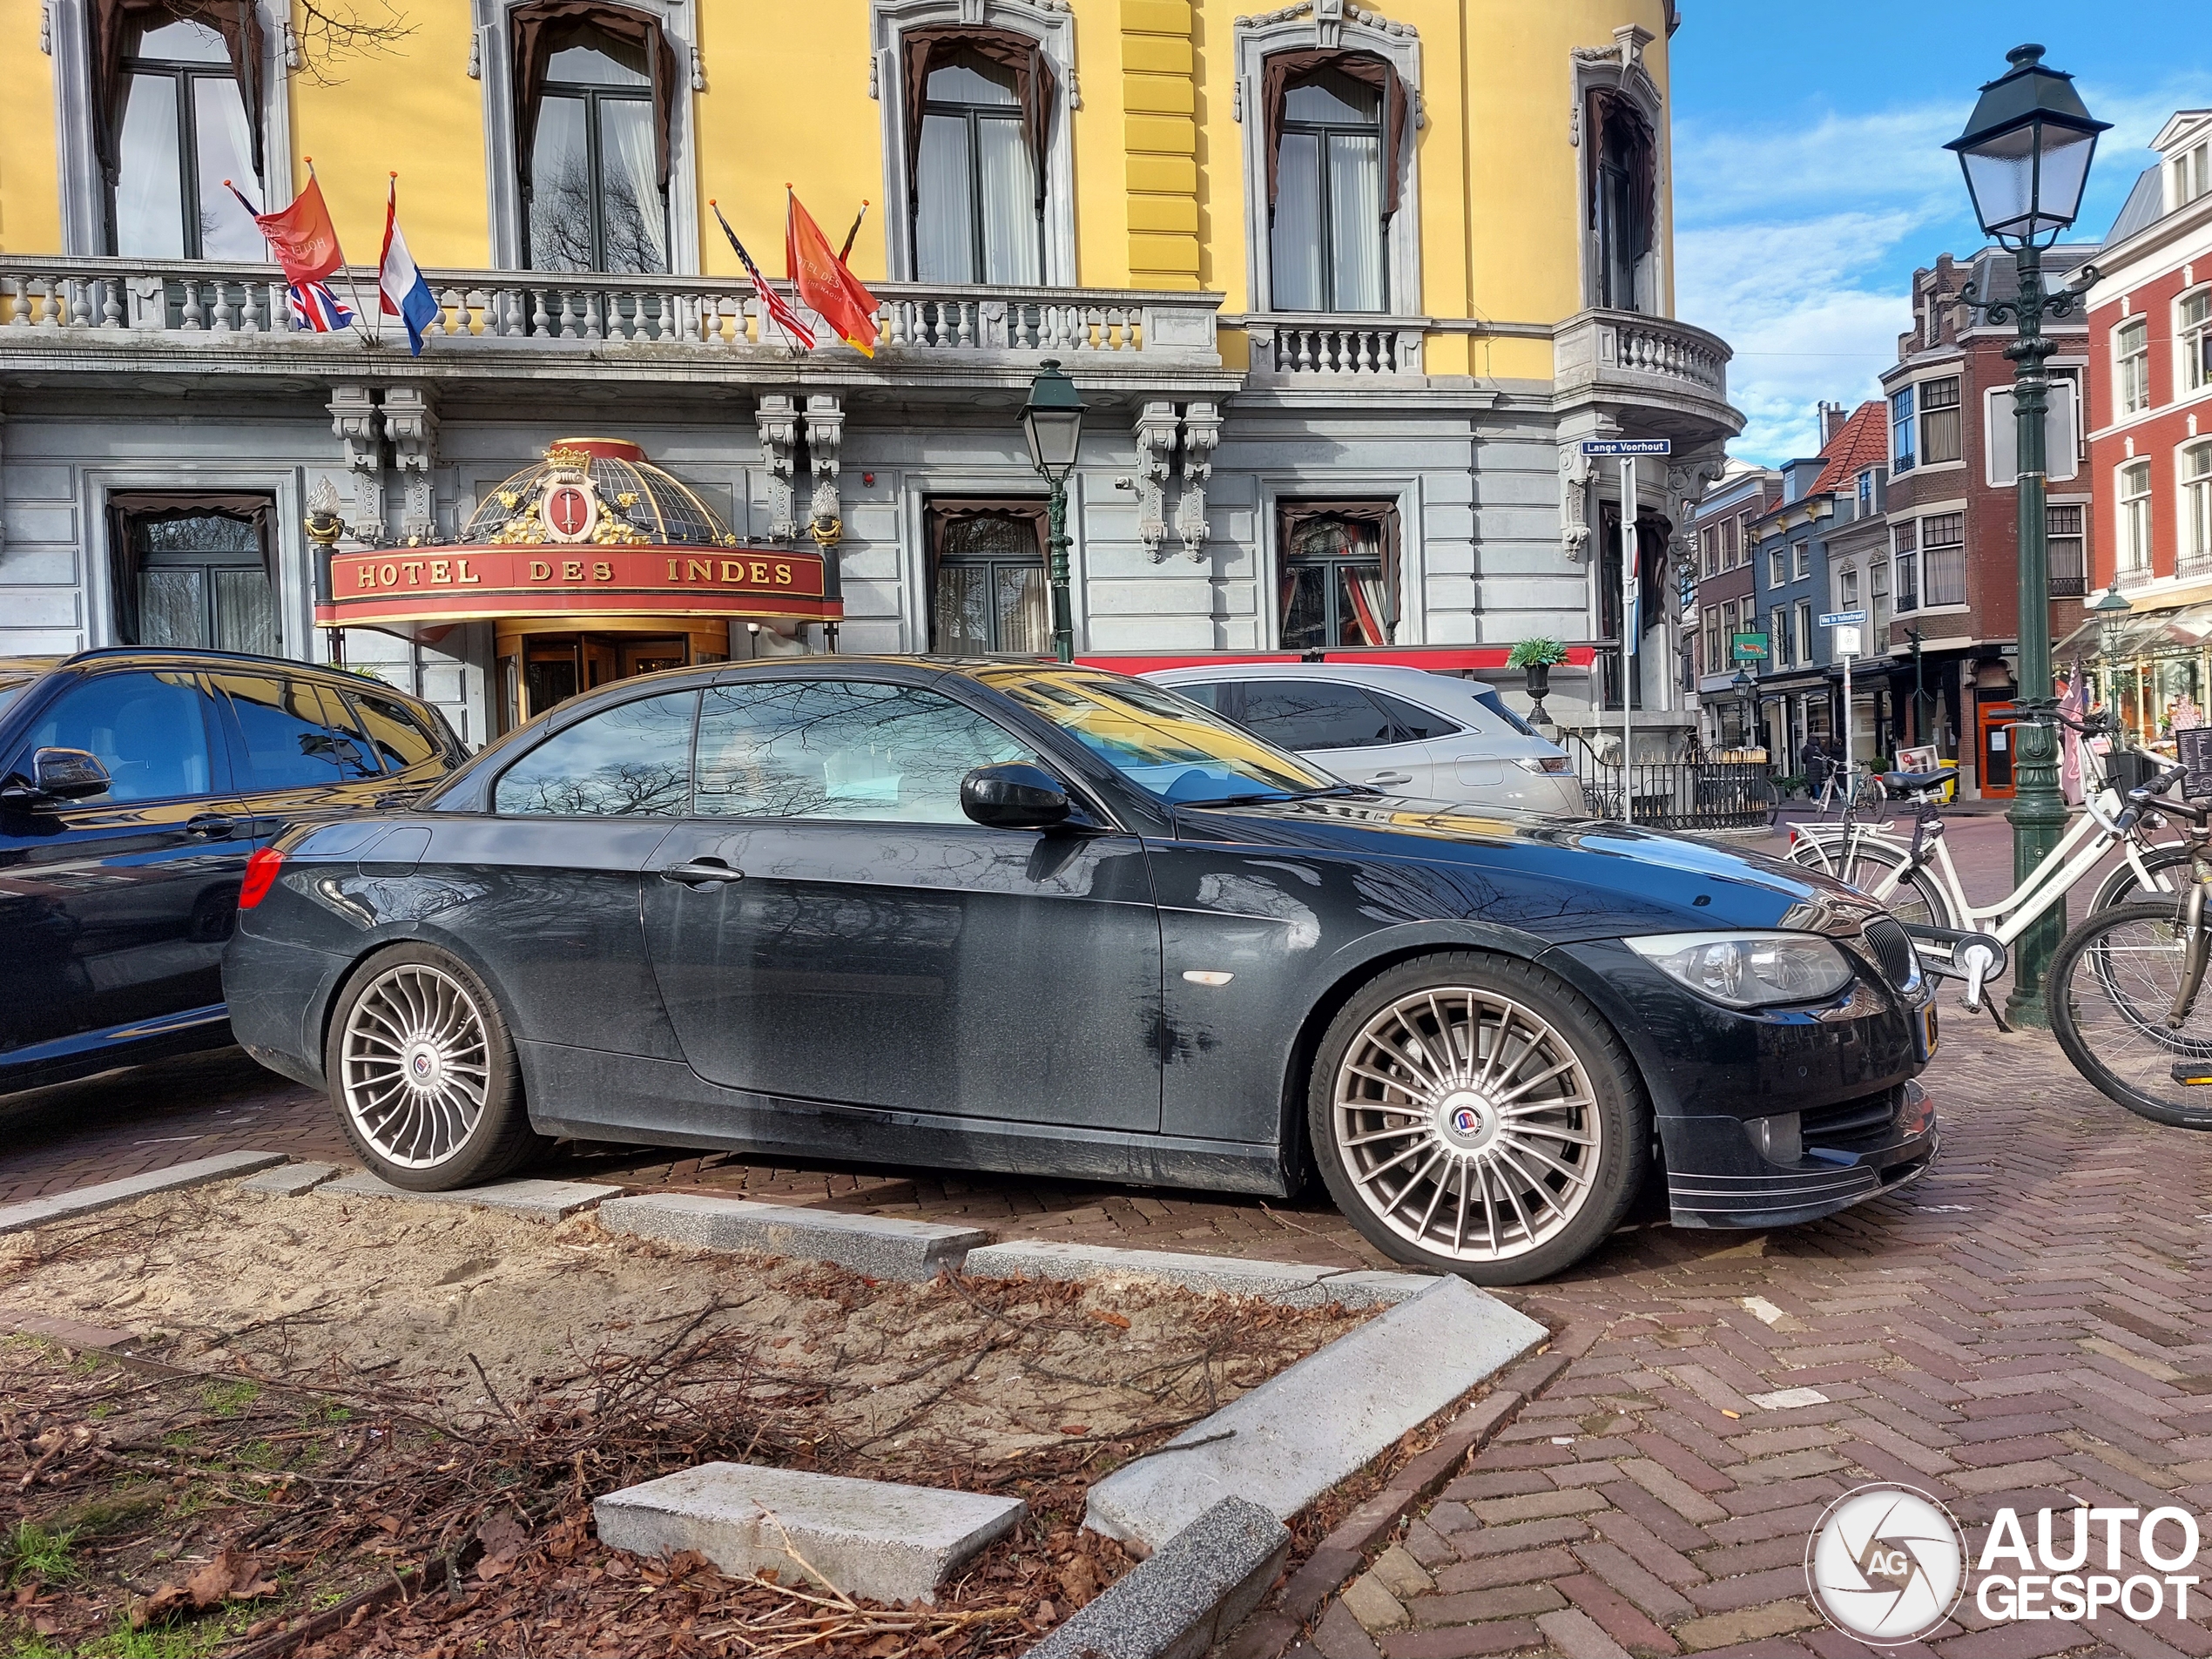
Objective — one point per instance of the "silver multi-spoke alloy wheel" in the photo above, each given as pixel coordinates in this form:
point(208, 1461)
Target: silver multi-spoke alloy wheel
point(1468, 1123)
point(416, 1065)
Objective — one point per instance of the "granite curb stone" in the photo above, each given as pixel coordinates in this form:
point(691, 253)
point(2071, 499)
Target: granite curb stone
point(1190, 1592)
point(877, 1539)
point(1294, 1283)
point(1307, 1428)
point(83, 1201)
point(874, 1246)
point(288, 1180)
point(543, 1200)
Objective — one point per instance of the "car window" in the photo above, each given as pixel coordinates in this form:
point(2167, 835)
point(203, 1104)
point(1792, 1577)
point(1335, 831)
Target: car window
point(842, 749)
point(1496, 704)
point(1411, 720)
point(150, 731)
point(1313, 714)
point(393, 730)
point(293, 740)
point(9, 691)
point(1207, 694)
point(633, 761)
point(1173, 752)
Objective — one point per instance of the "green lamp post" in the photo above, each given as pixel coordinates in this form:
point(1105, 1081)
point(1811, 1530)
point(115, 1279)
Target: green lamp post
point(2111, 610)
point(1052, 421)
point(2026, 153)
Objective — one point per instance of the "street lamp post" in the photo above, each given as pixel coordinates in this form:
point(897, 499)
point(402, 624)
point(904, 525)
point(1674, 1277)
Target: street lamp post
point(1746, 692)
point(1052, 421)
point(2111, 610)
point(2026, 154)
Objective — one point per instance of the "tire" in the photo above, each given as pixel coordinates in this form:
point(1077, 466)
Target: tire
point(2122, 888)
point(1497, 1199)
point(423, 1073)
point(2110, 989)
point(1917, 900)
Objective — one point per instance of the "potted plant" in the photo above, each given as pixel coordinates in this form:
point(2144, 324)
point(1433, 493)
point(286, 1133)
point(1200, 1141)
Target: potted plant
point(1535, 659)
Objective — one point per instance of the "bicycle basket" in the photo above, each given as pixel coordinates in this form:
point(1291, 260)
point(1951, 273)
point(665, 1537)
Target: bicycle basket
point(2195, 747)
point(2126, 770)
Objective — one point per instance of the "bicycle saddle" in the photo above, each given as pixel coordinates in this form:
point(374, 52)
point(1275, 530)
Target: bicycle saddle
point(1912, 782)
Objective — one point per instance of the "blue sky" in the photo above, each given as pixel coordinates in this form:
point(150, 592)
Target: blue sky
point(1811, 179)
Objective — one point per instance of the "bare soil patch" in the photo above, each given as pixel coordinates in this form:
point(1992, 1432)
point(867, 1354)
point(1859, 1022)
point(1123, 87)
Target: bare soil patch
point(349, 1390)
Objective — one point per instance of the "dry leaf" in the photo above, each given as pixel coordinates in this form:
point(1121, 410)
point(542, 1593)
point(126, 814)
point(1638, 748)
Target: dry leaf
point(1075, 1429)
point(1078, 1581)
point(1119, 1321)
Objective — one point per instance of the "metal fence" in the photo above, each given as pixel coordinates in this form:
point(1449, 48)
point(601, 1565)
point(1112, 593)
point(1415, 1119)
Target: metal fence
point(1680, 794)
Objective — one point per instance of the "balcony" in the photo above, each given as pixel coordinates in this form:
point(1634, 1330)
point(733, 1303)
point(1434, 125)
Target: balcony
point(1322, 347)
point(147, 316)
point(1674, 376)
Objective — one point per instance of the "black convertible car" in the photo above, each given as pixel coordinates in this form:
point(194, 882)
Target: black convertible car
point(1014, 916)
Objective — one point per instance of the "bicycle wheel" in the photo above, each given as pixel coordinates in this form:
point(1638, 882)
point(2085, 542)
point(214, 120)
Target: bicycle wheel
point(2169, 870)
point(2111, 988)
point(1916, 899)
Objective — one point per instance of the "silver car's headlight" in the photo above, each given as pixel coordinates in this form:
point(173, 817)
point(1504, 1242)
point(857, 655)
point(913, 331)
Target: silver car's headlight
point(1749, 970)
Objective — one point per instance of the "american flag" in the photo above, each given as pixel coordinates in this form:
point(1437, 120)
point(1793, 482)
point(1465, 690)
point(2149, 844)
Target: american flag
point(313, 307)
point(779, 307)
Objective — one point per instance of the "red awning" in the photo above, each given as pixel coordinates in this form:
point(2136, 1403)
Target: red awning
point(1441, 659)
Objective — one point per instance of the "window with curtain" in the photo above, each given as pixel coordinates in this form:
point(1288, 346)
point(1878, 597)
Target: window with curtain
point(595, 90)
point(1940, 420)
point(1328, 244)
point(2135, 519)
point(2193, 333)
point(2068, 571)
point(183, 128)
point(1943, 559)
point(979, 216)
point(987, 592)
point(1623, 200)
point(2131, 361)
point(193, 571)
point(1338, 583)
point(1878, 607)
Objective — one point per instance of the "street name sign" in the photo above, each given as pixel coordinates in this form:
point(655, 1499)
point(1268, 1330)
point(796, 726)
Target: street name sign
point(1843, 619)
point(1628, 446)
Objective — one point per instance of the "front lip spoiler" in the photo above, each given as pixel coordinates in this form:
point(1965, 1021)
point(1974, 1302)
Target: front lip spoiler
point(1774, 1197)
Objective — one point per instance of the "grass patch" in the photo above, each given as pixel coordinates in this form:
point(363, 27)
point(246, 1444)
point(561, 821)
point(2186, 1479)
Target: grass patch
point(38, 1555)
point(230, 1399)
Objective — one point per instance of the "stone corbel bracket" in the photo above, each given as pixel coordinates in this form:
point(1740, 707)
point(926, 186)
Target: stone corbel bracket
point(411, 423)
point(824, 435)
point(777, 415)
point(1201, 435)
point(1573, 502)
point(358, 424)
point(1155, 460)
point(1687, 482)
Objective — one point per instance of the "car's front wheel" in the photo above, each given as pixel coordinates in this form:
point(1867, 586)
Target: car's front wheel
point(424, 1074)
point(1473, 1114)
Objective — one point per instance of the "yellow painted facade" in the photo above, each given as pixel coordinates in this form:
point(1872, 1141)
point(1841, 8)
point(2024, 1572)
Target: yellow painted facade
point(1159, 179)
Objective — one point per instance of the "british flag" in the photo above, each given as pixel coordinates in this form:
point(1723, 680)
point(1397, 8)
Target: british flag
point(314, 307)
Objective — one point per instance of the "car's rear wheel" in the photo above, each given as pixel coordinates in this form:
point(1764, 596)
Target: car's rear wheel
point(423, 1073)
point(1471, 1113)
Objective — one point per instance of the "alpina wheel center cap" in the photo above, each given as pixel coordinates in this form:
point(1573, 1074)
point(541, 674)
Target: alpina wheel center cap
point(425, 1065)
point(1466, 1120)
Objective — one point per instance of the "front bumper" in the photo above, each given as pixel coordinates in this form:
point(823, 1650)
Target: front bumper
point(1718, 1174)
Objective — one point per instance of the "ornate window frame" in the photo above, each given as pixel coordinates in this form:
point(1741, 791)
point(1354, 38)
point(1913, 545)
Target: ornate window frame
point(491, 61)
point(65, 34)
point(1619, 68)
point(1402, 490)
point(1328, 25)
point(1053, 26)
point(295, 586)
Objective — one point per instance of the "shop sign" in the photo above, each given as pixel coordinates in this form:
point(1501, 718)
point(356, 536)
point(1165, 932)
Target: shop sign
point(451, 583)
point(1752, 648)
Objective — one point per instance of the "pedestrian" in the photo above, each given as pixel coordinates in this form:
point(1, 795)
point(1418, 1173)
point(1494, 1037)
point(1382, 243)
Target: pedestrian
point(1814, 759)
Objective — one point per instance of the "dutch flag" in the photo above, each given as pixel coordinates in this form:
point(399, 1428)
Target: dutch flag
point(402, 292)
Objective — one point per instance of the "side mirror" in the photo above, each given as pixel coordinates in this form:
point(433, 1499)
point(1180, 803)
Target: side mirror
point(1015, 795)
point(68, 775)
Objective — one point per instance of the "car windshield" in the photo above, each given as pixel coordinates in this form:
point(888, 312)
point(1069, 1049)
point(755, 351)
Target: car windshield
point(1165, 745)
point(1496, 704)
point(11, 690)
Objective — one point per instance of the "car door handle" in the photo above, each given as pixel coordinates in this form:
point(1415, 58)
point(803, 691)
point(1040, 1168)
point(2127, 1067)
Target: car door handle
point(701, 872)
point(209, 824)
point(1391, 778)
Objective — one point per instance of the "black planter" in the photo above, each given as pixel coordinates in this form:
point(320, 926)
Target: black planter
point(1538, 681)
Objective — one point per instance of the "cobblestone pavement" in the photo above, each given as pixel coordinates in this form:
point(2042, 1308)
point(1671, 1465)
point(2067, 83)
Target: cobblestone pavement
point(2023, 1328)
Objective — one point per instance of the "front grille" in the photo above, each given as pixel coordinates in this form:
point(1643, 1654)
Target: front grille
point(1892, 947)
point(1856, 1125)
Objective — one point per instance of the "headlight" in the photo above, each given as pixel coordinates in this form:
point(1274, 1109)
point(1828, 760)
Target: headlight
point(1553, 764)
point(1749, 970)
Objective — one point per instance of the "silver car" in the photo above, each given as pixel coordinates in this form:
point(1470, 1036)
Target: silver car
point(1403, 731)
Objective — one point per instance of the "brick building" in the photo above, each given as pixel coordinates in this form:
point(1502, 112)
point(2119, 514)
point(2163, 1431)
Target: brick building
point(1723, 603)
point(2150, 445)
point(1953, 513)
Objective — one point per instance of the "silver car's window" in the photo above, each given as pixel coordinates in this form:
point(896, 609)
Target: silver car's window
point(842, 749)
point(1315, 714)
point(1496, 704)
point(1161, 744)
point(633, 761)
point(1412, 720)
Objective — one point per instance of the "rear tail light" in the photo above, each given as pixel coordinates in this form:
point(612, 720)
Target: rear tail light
point(1555, 764)
point(260, 875)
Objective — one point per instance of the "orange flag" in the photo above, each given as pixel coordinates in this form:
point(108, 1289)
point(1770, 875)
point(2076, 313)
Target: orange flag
point(302, 237)
point(824, 283)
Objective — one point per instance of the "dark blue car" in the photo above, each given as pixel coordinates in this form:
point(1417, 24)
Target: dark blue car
point(134, 785)
point(1013, 916)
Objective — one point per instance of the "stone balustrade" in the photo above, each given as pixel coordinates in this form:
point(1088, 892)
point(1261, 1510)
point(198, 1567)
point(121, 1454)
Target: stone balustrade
point(1297, 346)
point(1626, 351)
point(88, 300)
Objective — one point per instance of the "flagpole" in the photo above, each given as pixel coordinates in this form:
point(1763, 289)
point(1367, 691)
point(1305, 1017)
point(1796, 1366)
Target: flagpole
point(846, 252)
point(352, 286)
